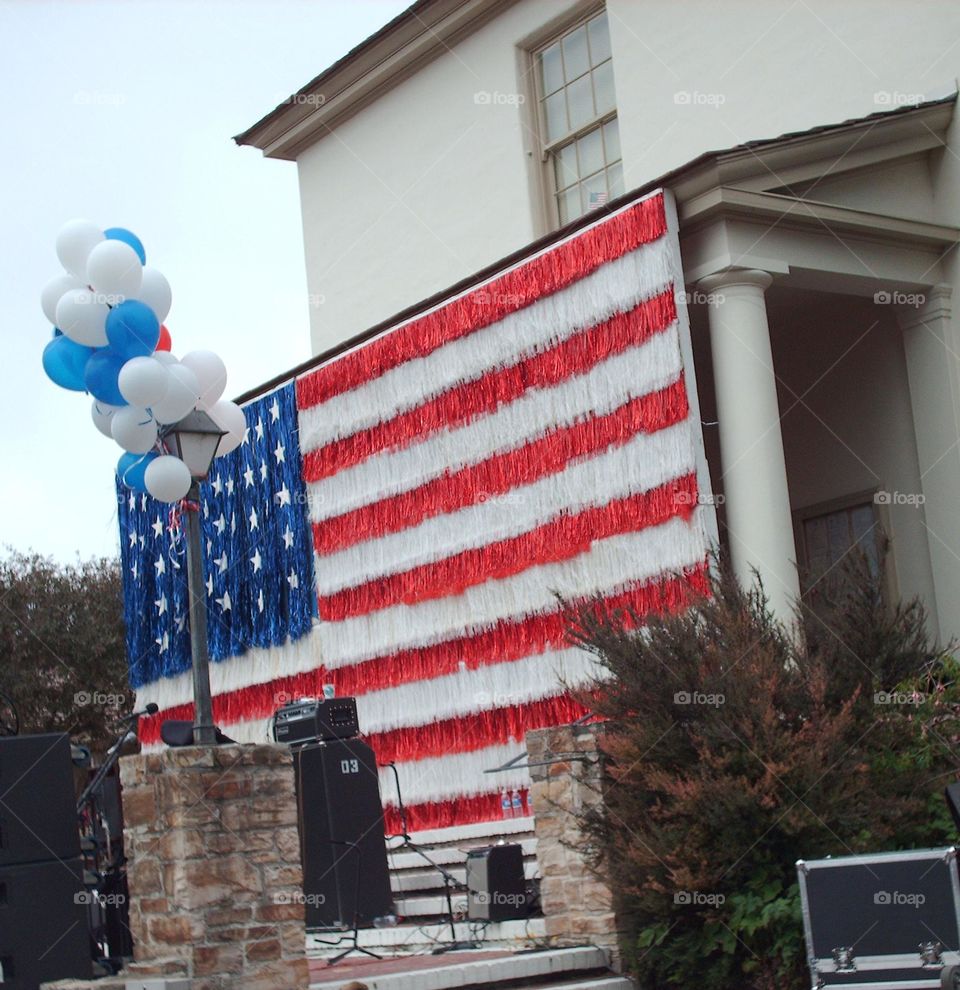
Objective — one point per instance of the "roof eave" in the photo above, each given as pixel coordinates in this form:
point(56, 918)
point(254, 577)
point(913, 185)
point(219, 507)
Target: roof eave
point(403, 46)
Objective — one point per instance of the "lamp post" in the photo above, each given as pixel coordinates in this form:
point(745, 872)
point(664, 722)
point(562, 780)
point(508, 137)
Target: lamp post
point(195, 439)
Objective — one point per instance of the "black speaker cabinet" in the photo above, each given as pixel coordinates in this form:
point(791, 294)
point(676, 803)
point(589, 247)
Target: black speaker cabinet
point(496, 887)
point(38, 817)
point(345, 873)
point(43, 924)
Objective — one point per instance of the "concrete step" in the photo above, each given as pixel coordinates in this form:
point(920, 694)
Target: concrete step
point(412, 938)
point(582, 968)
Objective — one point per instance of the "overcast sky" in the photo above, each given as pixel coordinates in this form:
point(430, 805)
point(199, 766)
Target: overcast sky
point(123, 113)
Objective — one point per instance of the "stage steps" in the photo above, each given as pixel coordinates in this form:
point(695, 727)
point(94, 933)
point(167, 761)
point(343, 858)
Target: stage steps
point(420, 898)
point(580, 968)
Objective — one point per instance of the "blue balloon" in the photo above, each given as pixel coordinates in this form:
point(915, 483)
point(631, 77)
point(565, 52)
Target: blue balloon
point(64, 362)
point(133, 329)
point(131, 469)
point(128, 237)
point(101, 374)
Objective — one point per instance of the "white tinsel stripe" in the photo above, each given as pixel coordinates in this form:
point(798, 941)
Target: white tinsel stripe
point(606, 567)
point(615, 287)
point(643, 463)
point(652, 366)
point(470, 691)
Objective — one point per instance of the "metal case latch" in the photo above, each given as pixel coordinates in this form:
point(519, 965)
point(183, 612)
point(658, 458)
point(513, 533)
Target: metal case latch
point(843, 958)
point(931, 953)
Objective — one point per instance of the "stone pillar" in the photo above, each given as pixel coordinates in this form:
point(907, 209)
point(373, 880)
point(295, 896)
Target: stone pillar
point(933, 370)
point(216, 885)
point(758, 516)
point(578, 904)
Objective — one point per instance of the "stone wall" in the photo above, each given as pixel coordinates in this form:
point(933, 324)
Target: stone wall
point(215, 874)
point(578, 905)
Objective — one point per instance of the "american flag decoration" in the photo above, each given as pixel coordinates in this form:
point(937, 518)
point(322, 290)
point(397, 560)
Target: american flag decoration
point(533, 435)
point(258, 556)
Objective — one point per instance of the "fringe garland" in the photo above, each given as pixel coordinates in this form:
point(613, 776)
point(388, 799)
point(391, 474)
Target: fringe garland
point(498, 387)
point(543, 275)
point(442, 778)
point(616, 287)
point(503, 473)
point(644, 462)
point(646, 368)
point(471, 732)
point(445, 814)
point(612, 565)
point(508, 641)
point(560, 539)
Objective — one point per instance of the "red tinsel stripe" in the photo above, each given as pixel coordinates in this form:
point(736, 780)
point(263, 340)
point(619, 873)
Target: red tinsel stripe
point(508, 640)
point(504, 472)
point(444, 814)
point(563, 537)
point(515, 289)
point(573, 356)
point(468, 733)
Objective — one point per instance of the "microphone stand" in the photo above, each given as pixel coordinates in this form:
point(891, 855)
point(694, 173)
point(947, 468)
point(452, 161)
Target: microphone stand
point(113, 874)
point(113, 755)
point(449, 880)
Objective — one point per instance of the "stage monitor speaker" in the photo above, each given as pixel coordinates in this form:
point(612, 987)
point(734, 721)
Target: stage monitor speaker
point(38, 811)
point(496, 887)
point(43, 924)
point(345, 872)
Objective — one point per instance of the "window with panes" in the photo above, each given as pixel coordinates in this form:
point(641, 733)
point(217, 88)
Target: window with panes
point(578, 118)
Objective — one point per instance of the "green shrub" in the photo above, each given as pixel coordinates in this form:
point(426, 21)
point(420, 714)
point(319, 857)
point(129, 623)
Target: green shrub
point(736, 748)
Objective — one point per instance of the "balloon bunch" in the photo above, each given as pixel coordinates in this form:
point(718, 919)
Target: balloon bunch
point(109, 340)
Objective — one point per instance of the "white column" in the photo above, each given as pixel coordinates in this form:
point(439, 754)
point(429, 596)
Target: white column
point(933, 370)
point(759, 523)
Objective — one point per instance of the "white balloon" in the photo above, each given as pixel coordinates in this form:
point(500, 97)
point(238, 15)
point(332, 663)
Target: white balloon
point(180, 396)
point(155, 292)
point(102, 414)
point(229, 416)
point(143, 381)
point(134, 429)
point(75, 241)
point(53, 290)
point(164, 357)
point(82, 318)
point(211, 375)
point(115, 272)
point(167, 478)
